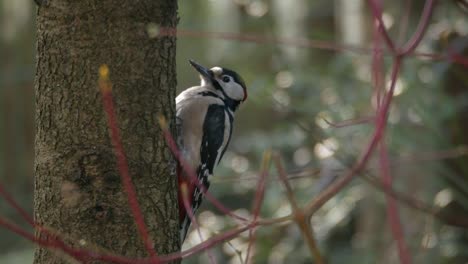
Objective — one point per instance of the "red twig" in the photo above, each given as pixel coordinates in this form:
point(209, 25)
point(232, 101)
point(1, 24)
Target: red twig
point(381, 119)
point(257, 203)
point(209, 243)
point(49, 241)
point(377, 11)
point(403, 29)
point(190, 172)
point(378, 76)
point(449, 56)
point(16, 206)
point(392, 210)
point(256, 38)
point(122, 165)
point(300, 217)
point(301, 43)
point(350, 122)
point(52, 238)
point(411, 45)
point(193, 219)
point(85, 255)
point(434, 155)
point(45, 243)
point(377, 69)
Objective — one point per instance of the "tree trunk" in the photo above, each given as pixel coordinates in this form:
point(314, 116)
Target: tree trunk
point(78, 191)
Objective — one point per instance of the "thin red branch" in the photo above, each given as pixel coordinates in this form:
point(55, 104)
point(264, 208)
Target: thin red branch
point(257, 203)
point(16, 229)
point(47, 241)
point(210, 243)
point(378, 79)
point(392, 210)
point(406, 11)
point(378, 76)
point(256, 38)
point(193, 219)
point(300, 217)
point(11, 201)
point(81, 254)
point(41, 231)
point(312, 172)
point(460, 220)
point(237, 251)
point(433, 155)
point(377, 13)
point(190, 172)
point(45, 237)
point(350, 122)
point(122, 165)
point(381, 119)
point(301, 43)
point(449, 56)
point(411, 45)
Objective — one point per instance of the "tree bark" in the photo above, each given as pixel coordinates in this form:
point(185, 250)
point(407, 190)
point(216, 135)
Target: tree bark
point(78, 191)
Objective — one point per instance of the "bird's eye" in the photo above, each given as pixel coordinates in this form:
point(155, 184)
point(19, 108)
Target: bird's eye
point(226, 79)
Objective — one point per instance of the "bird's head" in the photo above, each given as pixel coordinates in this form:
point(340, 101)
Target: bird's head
point(225, 82)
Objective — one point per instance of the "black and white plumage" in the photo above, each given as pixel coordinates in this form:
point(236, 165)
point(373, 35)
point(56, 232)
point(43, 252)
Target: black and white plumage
point(205, 115)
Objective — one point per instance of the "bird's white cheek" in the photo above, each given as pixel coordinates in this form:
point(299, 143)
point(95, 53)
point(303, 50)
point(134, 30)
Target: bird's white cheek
point(235, 92)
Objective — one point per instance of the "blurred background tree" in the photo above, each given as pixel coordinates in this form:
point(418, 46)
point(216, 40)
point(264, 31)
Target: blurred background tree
point(292, 91)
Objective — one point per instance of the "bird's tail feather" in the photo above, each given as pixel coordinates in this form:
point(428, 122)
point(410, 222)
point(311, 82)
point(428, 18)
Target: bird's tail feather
point(195, 196)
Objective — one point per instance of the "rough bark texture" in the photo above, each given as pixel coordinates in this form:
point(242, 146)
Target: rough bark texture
point(78, 191)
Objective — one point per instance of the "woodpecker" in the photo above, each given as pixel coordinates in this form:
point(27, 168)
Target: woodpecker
point(204, 120)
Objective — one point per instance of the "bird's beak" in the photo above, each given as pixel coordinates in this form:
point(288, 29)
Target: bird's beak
point(204, 72)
